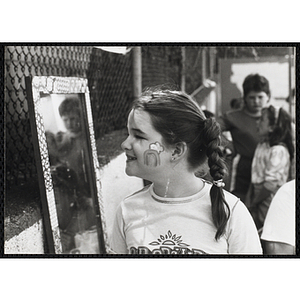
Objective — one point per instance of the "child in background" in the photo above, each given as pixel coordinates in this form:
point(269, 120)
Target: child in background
point(242, 125)
point(169, 139)
point(271, 161)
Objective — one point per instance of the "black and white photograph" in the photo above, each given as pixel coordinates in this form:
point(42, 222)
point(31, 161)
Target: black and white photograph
point(158, 150)
point(149, 150)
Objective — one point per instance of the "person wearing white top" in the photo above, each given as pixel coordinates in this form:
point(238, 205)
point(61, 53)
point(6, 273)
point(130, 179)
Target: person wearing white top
point(169, 140)
point(279, 228)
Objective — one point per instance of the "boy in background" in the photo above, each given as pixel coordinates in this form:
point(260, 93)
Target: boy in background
point(242, 124)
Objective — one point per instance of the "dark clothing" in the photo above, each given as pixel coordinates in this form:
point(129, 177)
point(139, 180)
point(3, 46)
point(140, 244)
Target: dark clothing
point(243, 177)
point(243, 128)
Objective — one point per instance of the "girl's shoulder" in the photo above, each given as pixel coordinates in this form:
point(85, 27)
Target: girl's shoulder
point(279, 148)
point(281, 151)
point(145, 189)
point(280, 145)
point(265, 146)
point(231, 199)
point(134, 200)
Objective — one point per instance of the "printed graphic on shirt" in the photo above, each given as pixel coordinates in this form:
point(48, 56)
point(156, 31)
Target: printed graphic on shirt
point(151, 156)
point(167, 244)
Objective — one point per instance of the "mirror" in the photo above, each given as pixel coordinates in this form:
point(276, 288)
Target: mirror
point(67, 164)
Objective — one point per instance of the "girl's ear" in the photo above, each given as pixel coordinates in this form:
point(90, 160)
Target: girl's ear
point(179, 150)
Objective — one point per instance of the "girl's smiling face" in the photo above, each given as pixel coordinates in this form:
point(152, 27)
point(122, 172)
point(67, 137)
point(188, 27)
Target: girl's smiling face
point(147, 154)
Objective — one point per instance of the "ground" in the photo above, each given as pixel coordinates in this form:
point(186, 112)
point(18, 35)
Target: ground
point(109, 146)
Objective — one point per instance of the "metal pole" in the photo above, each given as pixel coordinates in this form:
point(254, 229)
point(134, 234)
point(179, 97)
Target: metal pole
point(183, 68)
point(137, 71)
point(211, 61)
point(203, 65)
point(290, 81)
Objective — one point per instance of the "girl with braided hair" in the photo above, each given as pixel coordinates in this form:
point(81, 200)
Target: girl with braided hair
point(169, 140)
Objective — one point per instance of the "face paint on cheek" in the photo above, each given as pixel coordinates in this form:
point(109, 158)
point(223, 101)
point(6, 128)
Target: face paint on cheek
point(151, 156)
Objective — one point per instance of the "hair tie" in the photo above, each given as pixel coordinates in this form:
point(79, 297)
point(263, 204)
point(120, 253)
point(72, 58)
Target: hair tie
point(219, 183)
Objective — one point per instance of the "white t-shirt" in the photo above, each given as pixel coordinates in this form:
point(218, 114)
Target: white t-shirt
point(280, 224)
point(148, 224)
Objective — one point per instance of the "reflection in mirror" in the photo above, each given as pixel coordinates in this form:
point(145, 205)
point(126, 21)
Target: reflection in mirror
point(70, 170)
point(67, 165)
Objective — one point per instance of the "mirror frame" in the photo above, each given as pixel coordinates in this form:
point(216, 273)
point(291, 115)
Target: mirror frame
point(62, 85)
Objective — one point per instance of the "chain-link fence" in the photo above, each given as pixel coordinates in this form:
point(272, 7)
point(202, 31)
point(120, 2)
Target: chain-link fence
point(161, 65)
point(110, 83)
point(22, 61)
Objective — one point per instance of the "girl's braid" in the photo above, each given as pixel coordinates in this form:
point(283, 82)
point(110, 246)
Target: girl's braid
point(211, 136)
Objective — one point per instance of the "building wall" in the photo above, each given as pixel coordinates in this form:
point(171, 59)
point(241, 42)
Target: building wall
point(234, 71)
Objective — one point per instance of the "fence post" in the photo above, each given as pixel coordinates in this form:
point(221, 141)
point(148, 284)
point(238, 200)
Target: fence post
point(212, 57)
point(137, 71)
point(203, 71)
point(183, 68)
point(291, 98)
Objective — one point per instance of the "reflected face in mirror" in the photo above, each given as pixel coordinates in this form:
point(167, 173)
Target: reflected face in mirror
point(72, 122)
point(69, 111)
point(71, 172)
